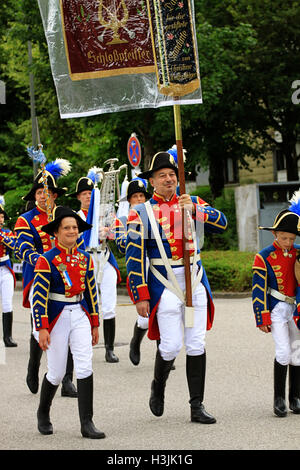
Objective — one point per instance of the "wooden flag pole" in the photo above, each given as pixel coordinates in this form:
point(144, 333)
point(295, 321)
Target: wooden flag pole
point(181, 177)
point(173, 39)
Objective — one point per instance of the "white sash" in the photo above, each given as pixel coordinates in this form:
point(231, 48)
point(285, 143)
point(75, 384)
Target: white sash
point(172, 283)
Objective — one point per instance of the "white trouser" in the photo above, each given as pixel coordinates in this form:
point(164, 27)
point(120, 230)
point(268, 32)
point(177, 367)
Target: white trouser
point(170, 317)
point(6, 289)
point(107, 289)
point(72, 329)
point(285, 334)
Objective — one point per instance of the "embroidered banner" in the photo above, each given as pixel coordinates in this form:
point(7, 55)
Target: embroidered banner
point(105, 38)
point(174, 43)
point(102, 57)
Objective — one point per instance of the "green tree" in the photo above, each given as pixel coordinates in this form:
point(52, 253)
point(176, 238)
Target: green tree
point(270, 68)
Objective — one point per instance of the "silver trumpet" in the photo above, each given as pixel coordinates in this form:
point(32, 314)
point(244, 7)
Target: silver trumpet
point(109, 193)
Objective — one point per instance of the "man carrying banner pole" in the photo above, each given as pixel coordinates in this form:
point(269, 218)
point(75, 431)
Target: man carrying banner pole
point(177, 286)
point(155, 229)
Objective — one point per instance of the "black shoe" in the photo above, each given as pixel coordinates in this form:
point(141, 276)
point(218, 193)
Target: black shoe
point(110, 356)
point(294, 404)
point(85, 407)
point(109, 328)
point(135, 343)
point(280, 408)
point(7, 320)
point(200, 415)
point(43, 414)
point(35, 354)
point(89, 430)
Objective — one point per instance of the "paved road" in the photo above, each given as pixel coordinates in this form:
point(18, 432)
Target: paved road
point(238, 392)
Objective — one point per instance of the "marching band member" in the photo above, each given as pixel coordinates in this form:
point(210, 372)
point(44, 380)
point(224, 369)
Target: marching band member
point(7, 277)
point(83, 193)
point(136, 194)
point(154, 230)
point(276, 304)
point(31, 242)
point(107, 275)
point(65, 310)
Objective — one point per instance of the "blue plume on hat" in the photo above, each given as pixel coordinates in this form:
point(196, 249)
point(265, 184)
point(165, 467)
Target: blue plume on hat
point(94, 174)
point(173, 151)
point(295, 203)
point(59, 167)
point(145, 182)
point(37, 155)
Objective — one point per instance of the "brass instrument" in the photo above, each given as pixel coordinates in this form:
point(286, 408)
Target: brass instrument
point(109, 193)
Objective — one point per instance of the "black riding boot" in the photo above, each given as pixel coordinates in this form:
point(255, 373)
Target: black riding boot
point(43, 414)
point(280, 372)
point(294, 388)
point(195, 372)
point(7, 321)
point(109, 329)
point(161, 373)
point(135, 343)
point(35, 354)
point(68, 389)
point(85, 407)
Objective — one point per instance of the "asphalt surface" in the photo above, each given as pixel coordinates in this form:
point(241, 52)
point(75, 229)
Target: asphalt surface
point(239, 393)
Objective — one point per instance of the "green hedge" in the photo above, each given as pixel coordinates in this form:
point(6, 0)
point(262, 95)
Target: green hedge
point(227, 240)
point(227, 271)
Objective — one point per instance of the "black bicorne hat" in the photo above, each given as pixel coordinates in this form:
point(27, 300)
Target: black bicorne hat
point(83, 184)
point(159, 161)
point(285, 221)
point(137, 186)
point(59, 213)
point(38, 184)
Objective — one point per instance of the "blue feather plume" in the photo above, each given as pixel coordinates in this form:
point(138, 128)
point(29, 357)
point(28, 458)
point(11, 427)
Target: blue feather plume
point(2, 201)
point(94, 174)
point(37, 155)
point(295, 203)
point(173, 151)
point(59, 167)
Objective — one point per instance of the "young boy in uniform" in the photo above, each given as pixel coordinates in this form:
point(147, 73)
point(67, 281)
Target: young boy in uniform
point(275, 297)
